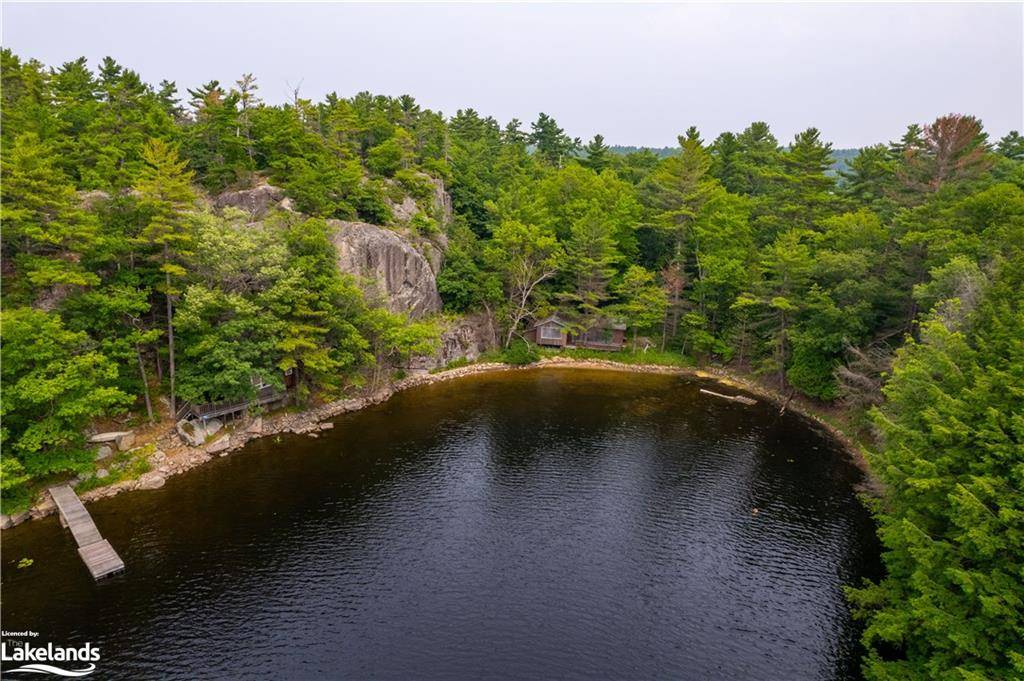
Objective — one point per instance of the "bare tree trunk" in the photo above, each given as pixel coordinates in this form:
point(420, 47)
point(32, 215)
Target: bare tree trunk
point(170, 343)
point(145, 383)
point(786, 403)
point(490, 324)
point(156, 353)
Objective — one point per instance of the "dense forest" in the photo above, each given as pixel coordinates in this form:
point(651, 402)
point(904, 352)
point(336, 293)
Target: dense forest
point(893, 288)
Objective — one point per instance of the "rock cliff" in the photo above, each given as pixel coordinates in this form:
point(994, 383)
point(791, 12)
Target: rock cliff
point(465, 338)
point(398, 271)
point(397, 268)
point(257, 202)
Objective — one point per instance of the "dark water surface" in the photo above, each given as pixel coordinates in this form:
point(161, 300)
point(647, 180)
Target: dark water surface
point(533, 524)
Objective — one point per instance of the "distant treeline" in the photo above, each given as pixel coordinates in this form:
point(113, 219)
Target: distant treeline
point(840, 157)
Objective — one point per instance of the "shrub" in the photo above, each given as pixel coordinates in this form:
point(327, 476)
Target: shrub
point(521, 352)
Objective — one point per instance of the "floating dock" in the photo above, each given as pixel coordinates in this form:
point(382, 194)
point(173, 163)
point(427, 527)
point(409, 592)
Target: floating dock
point(96, 552)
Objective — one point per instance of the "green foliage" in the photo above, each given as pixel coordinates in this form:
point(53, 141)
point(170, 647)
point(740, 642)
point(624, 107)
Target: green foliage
point(550, 141)
point(55, 382)
point(393, 339)
point(952, 520)
point(387, 157)
point(45, 231)
point(123, 466)
point(520, 352)
point(598, 157)
point(643, 301)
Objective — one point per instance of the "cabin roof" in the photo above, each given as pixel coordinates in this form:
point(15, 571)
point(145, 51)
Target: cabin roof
point(599, 324)
point(553, 319)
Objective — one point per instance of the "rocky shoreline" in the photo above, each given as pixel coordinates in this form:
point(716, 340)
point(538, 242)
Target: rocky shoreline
point(172, 457)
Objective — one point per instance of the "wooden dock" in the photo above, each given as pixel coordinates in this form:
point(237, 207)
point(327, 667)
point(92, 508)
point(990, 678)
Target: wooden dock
point(97, 553)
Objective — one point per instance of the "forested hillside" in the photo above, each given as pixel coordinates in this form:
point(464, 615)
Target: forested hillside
point(894, 287)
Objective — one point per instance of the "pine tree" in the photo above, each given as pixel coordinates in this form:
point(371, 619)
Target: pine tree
point(591, 258)
point(805, 195)
point(726, 162)
point(953, 149)
point(643, 301)
point(597, 154)
point(165, 193)
point(44, 231)
point(1011, 146)
point(551, 142)
point(869, 176)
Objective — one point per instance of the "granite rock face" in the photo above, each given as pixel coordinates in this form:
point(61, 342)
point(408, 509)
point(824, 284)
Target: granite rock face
point(394, 270)
point(442, 202)
point(257, 201)
point(466, 338)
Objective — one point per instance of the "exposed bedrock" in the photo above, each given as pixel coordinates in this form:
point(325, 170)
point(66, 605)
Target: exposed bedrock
point(396, 271)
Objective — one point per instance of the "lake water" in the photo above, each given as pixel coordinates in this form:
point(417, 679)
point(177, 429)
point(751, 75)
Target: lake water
point(531, 524)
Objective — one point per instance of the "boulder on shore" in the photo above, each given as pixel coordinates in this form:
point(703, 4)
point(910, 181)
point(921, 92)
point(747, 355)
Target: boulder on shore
point(151, 480)
point(112, 436)
point(221, 445)
point(9, 521)
point(256, 427)
point(195, 433)
point(126, 441)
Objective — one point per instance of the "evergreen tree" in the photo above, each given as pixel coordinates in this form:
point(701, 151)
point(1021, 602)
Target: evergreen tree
point(551, 142)
point(869, 176)
point(726, 162)
point(590, 259)
point(597, 154)
point(952, 519)
point(643, 301)
point(954, 148)
point(165, 192)
point(45, 232)
point(1011, 146)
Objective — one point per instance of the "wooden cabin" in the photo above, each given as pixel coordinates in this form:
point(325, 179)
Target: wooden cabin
point(550, 331)
point(555, 332)
point(603, 335)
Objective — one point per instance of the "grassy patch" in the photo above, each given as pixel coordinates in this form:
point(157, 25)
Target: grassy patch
point(454, 364)
point(122, 466)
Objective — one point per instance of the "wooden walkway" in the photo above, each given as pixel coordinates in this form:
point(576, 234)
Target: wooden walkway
point(97, 553)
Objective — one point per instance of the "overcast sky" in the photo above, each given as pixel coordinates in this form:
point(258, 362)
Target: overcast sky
point(639, 74)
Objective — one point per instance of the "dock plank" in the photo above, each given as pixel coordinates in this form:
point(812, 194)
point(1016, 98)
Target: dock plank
point(96, 552)
point(77, 518)
point(101, 559)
